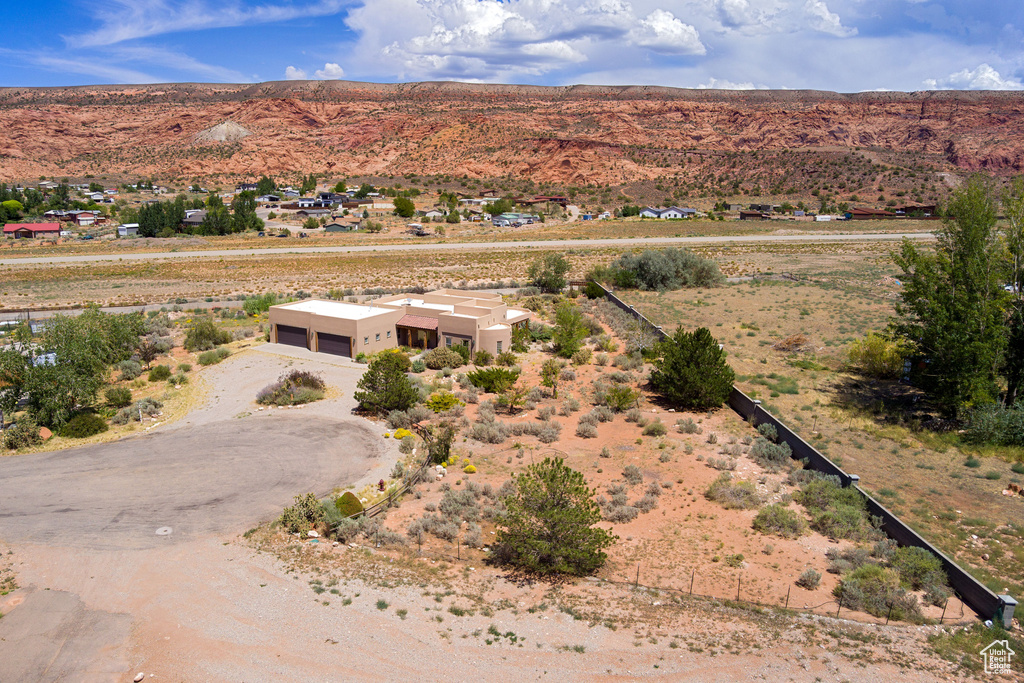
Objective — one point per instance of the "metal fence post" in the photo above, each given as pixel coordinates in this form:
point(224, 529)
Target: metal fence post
point(693, 573)
point(889, 614)
point(636, 584)
point(943, 610)
point(840, 604)
point(739, 582)
point(787, 597)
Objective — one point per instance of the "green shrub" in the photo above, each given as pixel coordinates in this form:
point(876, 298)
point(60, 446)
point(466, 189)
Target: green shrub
point(22, 434)
point(83, 425)
point(148, 407)
point(348, 504)
point(664, 269)
point(733, 495)
point(972, 462)
point(506, 359)
point(632, 474)
point(687, 426)
point(768, 431)
point(692, 371)
point(204, 334)
point(418, 366)
point(836, 512)
point(493, 380)
point(159, 373)
point(261, 303)
point(442, 401)
point(875, 589)
point(620, 397)
point(305, 514)
point(656, 428)
point(213, 357)
point(770, 455)
point(118, 397)
point(463, 351)
point(184, 367)
point(879, 356)
point(482, 358)
point(917, 567)
point(778, 520)
point(442, 357)
point(582, 356)
point(1017, 468)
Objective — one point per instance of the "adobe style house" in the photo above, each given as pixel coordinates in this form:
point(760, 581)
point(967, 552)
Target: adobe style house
point(23, 230)
point(450, 317)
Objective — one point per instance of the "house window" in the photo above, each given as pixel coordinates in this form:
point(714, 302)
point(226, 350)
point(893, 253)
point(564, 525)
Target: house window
point(366, 340)
point(389, 334)
point(499, 347)
point(378, 337)
point(448, 342)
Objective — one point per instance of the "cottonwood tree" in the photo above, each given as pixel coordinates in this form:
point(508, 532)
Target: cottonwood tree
point(691, 371)
point(549, 524)
point(570, 330)
point(548, 272)
point(1013, 364)
point(549, 373)
point(952, 305)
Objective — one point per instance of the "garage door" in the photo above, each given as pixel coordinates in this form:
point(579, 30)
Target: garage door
point(292, 336)
point(334, 344)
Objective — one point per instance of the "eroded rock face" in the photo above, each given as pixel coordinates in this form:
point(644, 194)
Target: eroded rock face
point(579, 134)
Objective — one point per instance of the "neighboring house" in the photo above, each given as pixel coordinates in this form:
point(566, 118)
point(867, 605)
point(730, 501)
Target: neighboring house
point(247, 187)
point(193, 219)
point(84, 219)
point(446, 317)
point(128, 230)
point(753, 216)
point(313, 213)
point(343, 224)
point(672, 212)
point(433, 213)
point(861, 214)
point(95, 196)
point(268, 199)
point(30, 230)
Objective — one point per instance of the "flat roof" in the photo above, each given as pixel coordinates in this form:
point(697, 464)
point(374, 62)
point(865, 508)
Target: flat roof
point(419, 303)
point(337, 309)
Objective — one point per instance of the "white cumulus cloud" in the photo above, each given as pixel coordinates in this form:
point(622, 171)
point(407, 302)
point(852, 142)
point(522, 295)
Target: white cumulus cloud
point(330, 71)
point(293, 74)
point(984, 77)
point(723, 84)
point(822, 19)
point(662, 32)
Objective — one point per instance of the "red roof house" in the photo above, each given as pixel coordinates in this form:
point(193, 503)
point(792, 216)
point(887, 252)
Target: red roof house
point(19, 230)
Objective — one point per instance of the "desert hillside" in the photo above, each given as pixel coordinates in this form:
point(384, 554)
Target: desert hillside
point(578, 134)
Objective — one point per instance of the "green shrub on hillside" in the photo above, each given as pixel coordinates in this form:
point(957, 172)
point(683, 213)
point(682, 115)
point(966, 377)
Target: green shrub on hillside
point(83, 425)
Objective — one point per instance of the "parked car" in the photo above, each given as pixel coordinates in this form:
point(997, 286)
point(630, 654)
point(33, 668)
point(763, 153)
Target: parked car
point(86, 237)
point(261, 234)
point(282, 235)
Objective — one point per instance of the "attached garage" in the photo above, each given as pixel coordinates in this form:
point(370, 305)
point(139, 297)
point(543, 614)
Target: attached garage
point(292, 336)
point(335, 344)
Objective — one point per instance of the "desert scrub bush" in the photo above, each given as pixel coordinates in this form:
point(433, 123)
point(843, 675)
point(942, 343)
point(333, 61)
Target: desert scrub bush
point(664, 269)
point(567, 375)
point(442, 357)
point(569, 406)
point(442, 401)
point(489, 432)
point(602, 414)
point(417, 366)
point(634, 415)
point(506, 359)
point(482, 358)
point(733, 495)
point(726, 464)
point(586, 430)
point(768, 455)
point(809, 579)
point(24, 432)
point(620, 514)
point(203, 334)
point(582, 356)
point(687, 426)
point(459, 506)
point(835, 511)
point(292, 388)
point(213, 357)
point(306, 513)
point(601, 359)
point(917, 567)
point(656, 428)
point(545, 432)
point(118, 397)
point(493, 380)
point(875, 589)
point(146, 407)
point(627, 362)
point(768, 431)
point(632, 475)
point(846, 560)
point(646, 503)
point(778, 520)
point(545, 413)
point(129, 369)
point(159, 373)
point(83, 425)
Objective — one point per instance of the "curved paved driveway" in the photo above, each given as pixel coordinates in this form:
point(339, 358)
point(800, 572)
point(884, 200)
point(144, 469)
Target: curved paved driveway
point(464, 246)
point(210, 478)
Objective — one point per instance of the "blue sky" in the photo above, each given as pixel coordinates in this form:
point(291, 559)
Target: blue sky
point(842, 45)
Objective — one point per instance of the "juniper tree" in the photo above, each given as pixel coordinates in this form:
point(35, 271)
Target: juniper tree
point(691, 371)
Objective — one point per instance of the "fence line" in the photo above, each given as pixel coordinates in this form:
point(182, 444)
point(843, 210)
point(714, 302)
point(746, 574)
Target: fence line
point(972, 592)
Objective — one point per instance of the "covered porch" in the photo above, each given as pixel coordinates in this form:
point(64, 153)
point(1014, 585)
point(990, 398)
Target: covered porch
point(417, 332)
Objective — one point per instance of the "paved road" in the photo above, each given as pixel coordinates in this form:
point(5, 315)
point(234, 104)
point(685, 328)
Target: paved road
point(207, 478)
point(469, 246)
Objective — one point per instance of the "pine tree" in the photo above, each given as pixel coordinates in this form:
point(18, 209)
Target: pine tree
point(385, 386)
point(692, 372)
point(549, 524)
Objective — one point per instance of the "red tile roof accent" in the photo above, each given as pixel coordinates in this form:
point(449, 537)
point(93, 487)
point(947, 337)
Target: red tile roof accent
point(419, 322)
